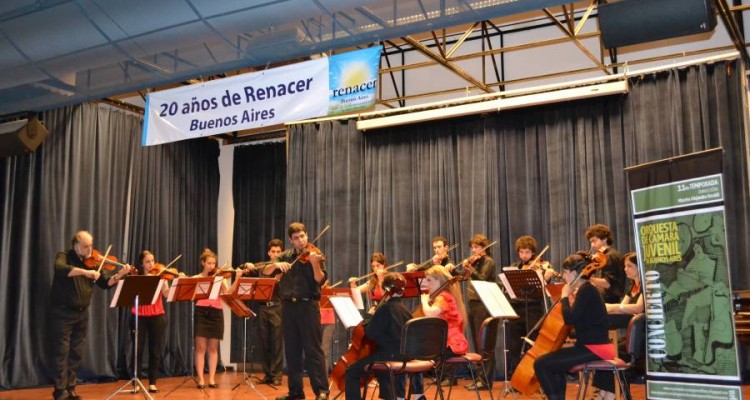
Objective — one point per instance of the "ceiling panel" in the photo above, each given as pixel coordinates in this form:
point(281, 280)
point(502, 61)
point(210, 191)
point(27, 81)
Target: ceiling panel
point(87, 49)
point(52, 32)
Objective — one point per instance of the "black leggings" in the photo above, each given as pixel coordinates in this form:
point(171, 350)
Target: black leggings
point(155, 327)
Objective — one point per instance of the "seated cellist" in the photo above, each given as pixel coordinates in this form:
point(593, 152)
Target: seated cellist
point(583, 308)
point(384, 327)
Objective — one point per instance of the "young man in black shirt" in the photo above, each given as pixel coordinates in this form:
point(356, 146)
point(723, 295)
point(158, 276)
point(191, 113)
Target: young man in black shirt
point(299, 289)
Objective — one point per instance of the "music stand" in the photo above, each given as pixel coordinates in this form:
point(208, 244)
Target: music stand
point(252, 289)
point(127, 294)
point(192, 289)
point(527, 283)
point(499, 307)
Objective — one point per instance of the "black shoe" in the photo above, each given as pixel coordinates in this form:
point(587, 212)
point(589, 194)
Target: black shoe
point(72, 395)
point(290, 396)
point(200, 386)
point(59, 394)
point(213, 385)
point(322, 396)
point(479, 386)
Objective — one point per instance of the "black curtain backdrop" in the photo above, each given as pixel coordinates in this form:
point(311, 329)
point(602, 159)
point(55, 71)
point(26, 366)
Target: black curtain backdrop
point(91, 173)
point(548, 171)
point(259, 191)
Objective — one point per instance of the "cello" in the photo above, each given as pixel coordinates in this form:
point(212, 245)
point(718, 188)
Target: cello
point(552, 334)
point(360, 346)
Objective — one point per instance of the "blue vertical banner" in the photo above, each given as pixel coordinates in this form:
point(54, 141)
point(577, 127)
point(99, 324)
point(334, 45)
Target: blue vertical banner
point(353, 78)
point(679, 219)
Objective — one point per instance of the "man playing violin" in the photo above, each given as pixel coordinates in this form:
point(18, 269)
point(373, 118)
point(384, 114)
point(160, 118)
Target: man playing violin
point(304, 272)
point(482, 268)
point(529, 311)
point(70, 296)
point(269, 320)
point(440, 257)
point(610, 280)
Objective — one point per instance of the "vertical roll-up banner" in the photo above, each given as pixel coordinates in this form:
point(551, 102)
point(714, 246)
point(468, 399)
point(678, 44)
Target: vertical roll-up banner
point(678, 214)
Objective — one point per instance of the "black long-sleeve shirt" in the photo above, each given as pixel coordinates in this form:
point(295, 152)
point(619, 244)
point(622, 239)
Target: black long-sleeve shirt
point(588, 315)
point(299, 282)
point(386, 325)
point(73, 292)
point(484, 270)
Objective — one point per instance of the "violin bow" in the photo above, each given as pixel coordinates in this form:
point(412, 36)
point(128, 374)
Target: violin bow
point(173, 261)
point(104, 259)
point(536, 259)
point(479, 252)
point(384, 269)
point(423, 264)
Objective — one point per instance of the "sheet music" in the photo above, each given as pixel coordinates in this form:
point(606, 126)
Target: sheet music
point(158, 291)
point(357, 299)
point(506, 285)
point(345, 309)
point(216, 288)
point(118, 289)
point(494, 300)
point(173, 289)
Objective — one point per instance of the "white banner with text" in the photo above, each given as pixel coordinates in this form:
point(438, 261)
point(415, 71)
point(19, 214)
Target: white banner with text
point(325, 86)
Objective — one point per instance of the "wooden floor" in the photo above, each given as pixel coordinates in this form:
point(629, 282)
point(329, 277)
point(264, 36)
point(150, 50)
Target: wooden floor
point(181, 388)
point(178, 388)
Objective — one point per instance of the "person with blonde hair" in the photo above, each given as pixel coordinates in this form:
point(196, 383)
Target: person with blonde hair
point(447, 303)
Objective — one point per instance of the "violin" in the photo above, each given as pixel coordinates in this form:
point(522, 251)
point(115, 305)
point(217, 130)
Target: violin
point(419, 312)
point(464, 267)
point(552, 333)
point(93, 261)
point(167, 273)
point(310, 249)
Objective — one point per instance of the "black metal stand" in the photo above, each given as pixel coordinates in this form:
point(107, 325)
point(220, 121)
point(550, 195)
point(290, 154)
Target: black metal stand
point(507, 389)
point(247, 379)
point(135, 381)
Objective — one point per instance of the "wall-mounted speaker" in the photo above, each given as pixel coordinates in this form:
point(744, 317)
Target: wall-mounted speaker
point(21, 137)
point(627, 22)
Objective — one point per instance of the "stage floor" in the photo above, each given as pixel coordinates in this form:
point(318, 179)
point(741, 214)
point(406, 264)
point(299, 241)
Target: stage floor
point(178, 388)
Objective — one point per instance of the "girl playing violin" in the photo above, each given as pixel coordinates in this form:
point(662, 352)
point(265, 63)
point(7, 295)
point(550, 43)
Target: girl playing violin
point(209, 324)
point(374, 286)
point(152, 321)
point(582, 307)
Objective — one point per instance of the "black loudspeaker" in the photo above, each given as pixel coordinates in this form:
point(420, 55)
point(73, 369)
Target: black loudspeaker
point(21, 137)
point(627, 22)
